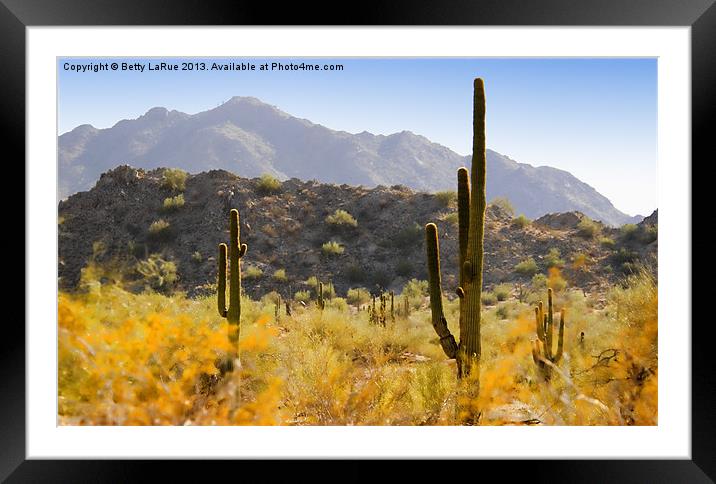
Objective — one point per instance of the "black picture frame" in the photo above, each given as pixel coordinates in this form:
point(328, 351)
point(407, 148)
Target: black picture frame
point(700, 15)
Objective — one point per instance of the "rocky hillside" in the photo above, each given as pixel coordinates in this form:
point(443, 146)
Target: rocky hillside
point(286, 229)
point(247, 136)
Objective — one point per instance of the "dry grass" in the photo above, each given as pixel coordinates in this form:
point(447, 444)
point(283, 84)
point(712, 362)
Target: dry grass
point(146, 359)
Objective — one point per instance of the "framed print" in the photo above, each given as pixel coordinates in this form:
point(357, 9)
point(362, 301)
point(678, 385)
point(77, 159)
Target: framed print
point(422, 236)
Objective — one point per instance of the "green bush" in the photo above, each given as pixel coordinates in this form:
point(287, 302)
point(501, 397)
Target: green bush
point(409, 237)
point(337, 303)
point(280, 275)
point(341, 218)
point(628, 232)
point(158, 226)
point(520, 222)
point(357, 296)
point(160, 230)
point(302, 296)
point(503, 291)
point(649, 234)
point(174, 179)
point(527, 267)
point(332, 248)
point(587, 228)
point(553, 258)
point(312, 282)
point(173, 203)
point(447, 198)
point(253, 272)
point(539, 283)
point(606, 242)
point(329, 291)
point(488, 298)
point(415, 288)
point(504, 203)
point(268, 184)
point(197, 257)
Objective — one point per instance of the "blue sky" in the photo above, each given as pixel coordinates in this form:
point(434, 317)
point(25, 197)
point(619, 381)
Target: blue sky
point(596, 118)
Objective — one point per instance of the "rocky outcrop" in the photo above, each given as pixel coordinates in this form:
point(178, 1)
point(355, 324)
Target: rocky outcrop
point(287, 229)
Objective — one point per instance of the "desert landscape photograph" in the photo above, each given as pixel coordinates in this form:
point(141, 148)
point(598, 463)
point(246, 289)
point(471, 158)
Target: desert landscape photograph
point(358, 241)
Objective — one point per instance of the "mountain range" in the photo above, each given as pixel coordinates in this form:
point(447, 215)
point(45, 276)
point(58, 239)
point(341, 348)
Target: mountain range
point(248, 137)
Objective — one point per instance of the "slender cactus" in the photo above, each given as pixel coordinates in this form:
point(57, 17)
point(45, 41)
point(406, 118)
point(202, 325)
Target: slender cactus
point(471, 226)
point(392, 307)
point(320, 301)
point(236, 250)
point(543, 346)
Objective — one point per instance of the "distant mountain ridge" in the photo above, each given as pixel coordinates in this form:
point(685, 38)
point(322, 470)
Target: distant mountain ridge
point(249, 138)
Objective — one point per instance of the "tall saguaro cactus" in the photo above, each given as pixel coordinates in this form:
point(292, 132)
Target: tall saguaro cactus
point(236, 250)
point(471, 222)
point(543, 346)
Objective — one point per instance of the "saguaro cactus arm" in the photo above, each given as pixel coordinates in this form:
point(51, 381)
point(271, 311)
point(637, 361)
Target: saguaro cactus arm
point(221, 295)
point(560, 340)
point(235, 251)
point(447, 340)
point(463, 214)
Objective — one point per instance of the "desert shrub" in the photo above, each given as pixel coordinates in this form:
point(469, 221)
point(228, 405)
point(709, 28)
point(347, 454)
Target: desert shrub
point(502, 292)
point(280, 275)
point(624, 255)
point(587, 228)
point(157, 273)
point(329, 290)
point(173, 203)
point(447, 198)
point(160, 230)
point(628, 232)
point(268, 184)
point(197, 257)
point(357, 296)
point(538, 282)
point(341, 218)
point(332, 248)
point(488, 298)
point(409, 237)
point(404, 268)
point(502, 312)
point(302, 296)
point(649, 234)
point(520, 222)
point(174, 179)
point(415, 288)
point(504, 203)
point(553, 258)
point(337, 303)
point(253, 272)
point(527, 267)
point(606, 242)
point(312, 282)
